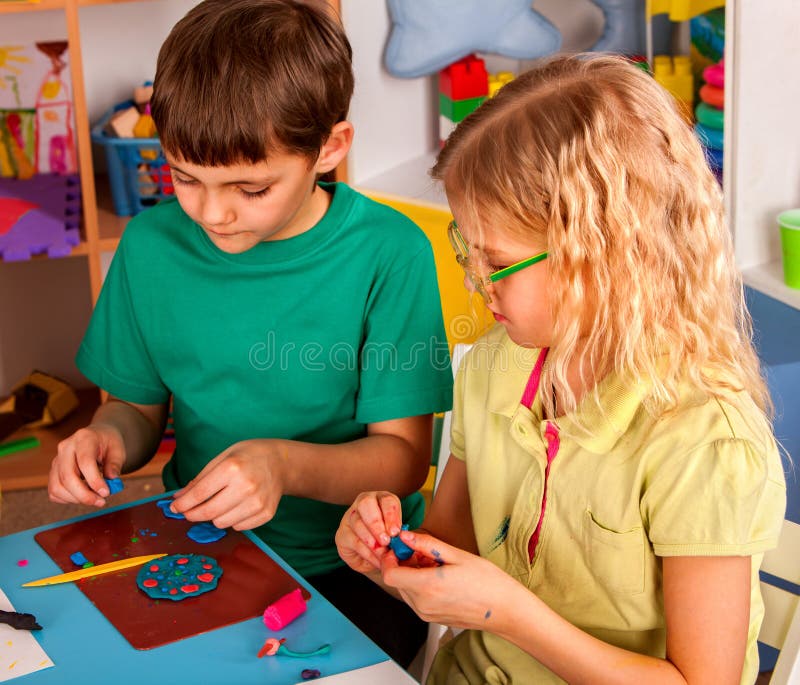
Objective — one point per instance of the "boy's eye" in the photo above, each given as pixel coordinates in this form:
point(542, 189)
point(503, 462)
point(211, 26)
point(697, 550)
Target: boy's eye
point(181, 180)
point(253, 194)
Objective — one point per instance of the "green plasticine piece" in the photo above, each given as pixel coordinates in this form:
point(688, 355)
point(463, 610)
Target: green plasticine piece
point(18, 445)
point(304, 655)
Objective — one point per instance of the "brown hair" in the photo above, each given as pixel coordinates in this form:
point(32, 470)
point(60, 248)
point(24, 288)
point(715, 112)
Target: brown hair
point(589, 156)
point(236, 79)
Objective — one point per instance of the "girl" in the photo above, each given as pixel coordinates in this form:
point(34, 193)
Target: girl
point(615, 480)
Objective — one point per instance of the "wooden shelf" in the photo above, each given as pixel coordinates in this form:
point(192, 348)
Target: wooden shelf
point(12, 7)
point(29, 468)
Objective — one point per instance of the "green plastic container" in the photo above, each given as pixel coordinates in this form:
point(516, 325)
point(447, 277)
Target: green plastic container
point(789, 222)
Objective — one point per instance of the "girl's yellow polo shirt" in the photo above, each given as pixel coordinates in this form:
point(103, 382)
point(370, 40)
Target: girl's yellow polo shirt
point(706, 480)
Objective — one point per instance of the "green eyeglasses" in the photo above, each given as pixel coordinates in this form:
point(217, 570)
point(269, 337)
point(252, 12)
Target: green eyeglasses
point(479, 282)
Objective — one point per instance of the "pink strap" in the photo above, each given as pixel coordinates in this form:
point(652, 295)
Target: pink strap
point(533, 380)
point(553, 443)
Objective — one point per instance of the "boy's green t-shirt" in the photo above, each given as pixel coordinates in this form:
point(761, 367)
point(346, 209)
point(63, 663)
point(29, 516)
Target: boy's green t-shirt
point(309, 338)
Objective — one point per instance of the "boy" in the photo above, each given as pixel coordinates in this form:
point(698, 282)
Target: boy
point(296, 325)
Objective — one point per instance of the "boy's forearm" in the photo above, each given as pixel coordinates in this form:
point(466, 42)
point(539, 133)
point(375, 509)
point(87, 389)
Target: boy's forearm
point(140, 434)
point(338, 473)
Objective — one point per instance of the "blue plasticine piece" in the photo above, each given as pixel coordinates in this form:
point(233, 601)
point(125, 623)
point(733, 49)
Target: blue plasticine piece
point(115, 485)
point(205, 532)
point(163, 504)
point(78, 559)
point(401, 550)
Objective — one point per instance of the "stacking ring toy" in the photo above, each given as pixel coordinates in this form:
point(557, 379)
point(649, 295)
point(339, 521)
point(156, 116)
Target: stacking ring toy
point(710, 117)
point(715, 75)
point(713, 96)
point(710, 137)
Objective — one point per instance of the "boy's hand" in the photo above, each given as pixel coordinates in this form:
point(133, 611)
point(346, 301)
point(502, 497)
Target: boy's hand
point(366, 528)
point(82, 462)
point(459, 589)
point(240, 488)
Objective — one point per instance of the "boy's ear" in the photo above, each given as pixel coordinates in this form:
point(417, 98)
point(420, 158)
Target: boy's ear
point(335, 148)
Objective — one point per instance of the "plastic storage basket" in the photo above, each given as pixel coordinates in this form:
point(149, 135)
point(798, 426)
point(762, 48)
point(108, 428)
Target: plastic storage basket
point(137, 171)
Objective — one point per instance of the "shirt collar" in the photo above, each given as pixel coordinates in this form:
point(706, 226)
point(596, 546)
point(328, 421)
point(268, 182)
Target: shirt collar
point(621, 396)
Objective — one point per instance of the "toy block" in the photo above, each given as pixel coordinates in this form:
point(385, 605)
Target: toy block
point(675, 74)
point(498, 80)
point(464, 79)
point(458, 110)
point(122, 123)
point(446, 127)
point(142, 95)
point(682, 10)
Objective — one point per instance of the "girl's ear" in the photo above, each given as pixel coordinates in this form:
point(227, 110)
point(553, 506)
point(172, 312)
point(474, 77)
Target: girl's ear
point(335, 148)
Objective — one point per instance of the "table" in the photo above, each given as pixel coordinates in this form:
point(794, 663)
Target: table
point(87, 649)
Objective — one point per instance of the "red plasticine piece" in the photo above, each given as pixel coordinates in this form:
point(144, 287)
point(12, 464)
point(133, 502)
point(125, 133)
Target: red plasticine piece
point(182, 560)
point(189, 588)
point(285, 610)
point(149, 582)
point(205, 577)
point(154, 568)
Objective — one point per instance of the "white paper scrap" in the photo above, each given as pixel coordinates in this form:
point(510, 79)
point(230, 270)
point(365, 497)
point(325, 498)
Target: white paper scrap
point(20, 653)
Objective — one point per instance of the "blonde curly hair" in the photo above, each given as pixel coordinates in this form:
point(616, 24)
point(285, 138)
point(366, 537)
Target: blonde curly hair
point(588, 155)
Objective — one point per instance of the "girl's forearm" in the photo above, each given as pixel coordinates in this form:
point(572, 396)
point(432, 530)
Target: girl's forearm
point(574, 655)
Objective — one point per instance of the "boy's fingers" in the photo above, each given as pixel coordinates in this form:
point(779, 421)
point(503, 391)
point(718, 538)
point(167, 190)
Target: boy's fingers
point(391, 513)
point(370, 513)
point(361, 531)
point(199, 490)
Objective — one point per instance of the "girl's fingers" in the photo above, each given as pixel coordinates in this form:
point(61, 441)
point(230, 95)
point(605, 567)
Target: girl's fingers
point(427, 546)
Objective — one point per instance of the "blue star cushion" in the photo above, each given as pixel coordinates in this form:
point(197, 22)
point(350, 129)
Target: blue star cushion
point(428, 36)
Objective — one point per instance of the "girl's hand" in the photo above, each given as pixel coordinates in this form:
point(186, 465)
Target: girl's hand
point(366, 529)
point(460, 589)
point(82, 462)
point(240, 488)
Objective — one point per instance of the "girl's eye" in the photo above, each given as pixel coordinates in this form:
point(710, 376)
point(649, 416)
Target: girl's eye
point(495, 267)
point(253, 194)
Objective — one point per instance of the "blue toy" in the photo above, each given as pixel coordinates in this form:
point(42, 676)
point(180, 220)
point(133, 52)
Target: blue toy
point(428, 36)
point(115, 485)
point(401, 550)
point(710, 137)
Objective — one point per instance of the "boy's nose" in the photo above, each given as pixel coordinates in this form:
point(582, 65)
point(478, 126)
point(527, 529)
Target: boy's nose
point(215, 210)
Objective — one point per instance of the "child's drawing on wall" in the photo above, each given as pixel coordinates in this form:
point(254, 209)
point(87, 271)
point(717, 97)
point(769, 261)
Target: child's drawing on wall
point(36, 125)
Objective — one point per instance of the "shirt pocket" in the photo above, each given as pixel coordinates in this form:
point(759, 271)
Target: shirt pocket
point(615, 558)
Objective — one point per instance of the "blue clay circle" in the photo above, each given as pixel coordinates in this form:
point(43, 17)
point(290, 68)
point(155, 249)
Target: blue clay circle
point(206, 532)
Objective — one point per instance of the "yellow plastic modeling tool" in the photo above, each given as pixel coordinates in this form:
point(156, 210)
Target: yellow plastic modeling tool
point(93, 570)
